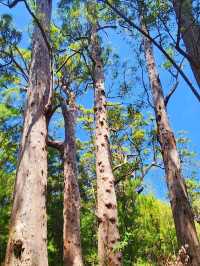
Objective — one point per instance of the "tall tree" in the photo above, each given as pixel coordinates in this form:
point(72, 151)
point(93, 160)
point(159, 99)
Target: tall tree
point(27, 243)
point(189, 29)
point(72, 254)
point(108, 234)
point(71, 211)
point(181, 209)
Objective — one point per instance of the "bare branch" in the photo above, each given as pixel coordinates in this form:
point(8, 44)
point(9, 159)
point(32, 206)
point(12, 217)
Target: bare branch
point(22, 57)
point(65, 62)
point(144, 86)
point(39, 26)
point(124, 176)
point(50, 113)
point(17, 65)
point(121, 164)
point(171, 92)
point(148, 168)
point(107, 27)
point(56, 144)
point(132, 24)
point(14, 3)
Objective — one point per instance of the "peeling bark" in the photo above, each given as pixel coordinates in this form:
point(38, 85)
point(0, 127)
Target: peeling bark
point(27, 243)
point(190, 31)
point(181, 209)
point(71, 212)
point(108, 234)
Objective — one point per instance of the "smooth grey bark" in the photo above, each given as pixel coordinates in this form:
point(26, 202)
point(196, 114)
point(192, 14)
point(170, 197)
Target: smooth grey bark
point(190, 31)
point(181, 209)
point(27, 244)
point(108, 234)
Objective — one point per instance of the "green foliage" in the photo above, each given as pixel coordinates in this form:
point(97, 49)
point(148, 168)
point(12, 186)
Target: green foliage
point(148, 231)
point(8, 153)
point(55, 208)
point(6, 111)
point(156, 8)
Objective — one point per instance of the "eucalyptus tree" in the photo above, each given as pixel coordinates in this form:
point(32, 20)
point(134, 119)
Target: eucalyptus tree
point(12, 76)
point(181, 209)
point(108, 233)
point(27, 244)
point(189, 29)
point(72, 253)
point(88, 43)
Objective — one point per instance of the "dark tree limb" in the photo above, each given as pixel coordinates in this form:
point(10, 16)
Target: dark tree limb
point(14, 3)
point(56, 144)
point(11, 4)
point(22, 57)
point(171, 92)
point(65, 62)
point(50, 113)
point(106, 27)
point(17, 65)
point(132, 24)
point(39, 26)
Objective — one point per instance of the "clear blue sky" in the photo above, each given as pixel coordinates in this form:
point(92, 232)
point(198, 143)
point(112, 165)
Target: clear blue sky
point(184, 110)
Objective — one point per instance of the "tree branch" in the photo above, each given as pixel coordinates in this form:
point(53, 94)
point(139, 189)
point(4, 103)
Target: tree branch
point(39, 26)
point(65, 62)
point(148, 168)
point(106, 27)
point(17, 65)
point(132, 24)
point(171, 92)
point(56, 144)
point(120, 165)
point(22, 57)
point(50, 113)
point(14, 3)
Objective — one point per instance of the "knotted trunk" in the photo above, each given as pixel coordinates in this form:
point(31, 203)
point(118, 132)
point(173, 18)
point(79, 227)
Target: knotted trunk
point(190, 31)
point(71, 212)
point(108, 234)
point(181, 209)
point(27, 243)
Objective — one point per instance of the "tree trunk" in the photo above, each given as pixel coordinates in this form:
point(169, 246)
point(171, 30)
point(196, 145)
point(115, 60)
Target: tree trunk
point(71, 212)
point(181, 209)
point(27, 243)
point(190, 31)
point(108, 234)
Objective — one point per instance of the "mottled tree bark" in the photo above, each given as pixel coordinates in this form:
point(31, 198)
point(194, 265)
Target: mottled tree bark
point(181, 209)
point(108, 234)
point(71, 211)
point(72, 253)
point(27, 243)
point(190, 31)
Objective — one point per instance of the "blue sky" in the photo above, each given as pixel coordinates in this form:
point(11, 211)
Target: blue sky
point(183, 108)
